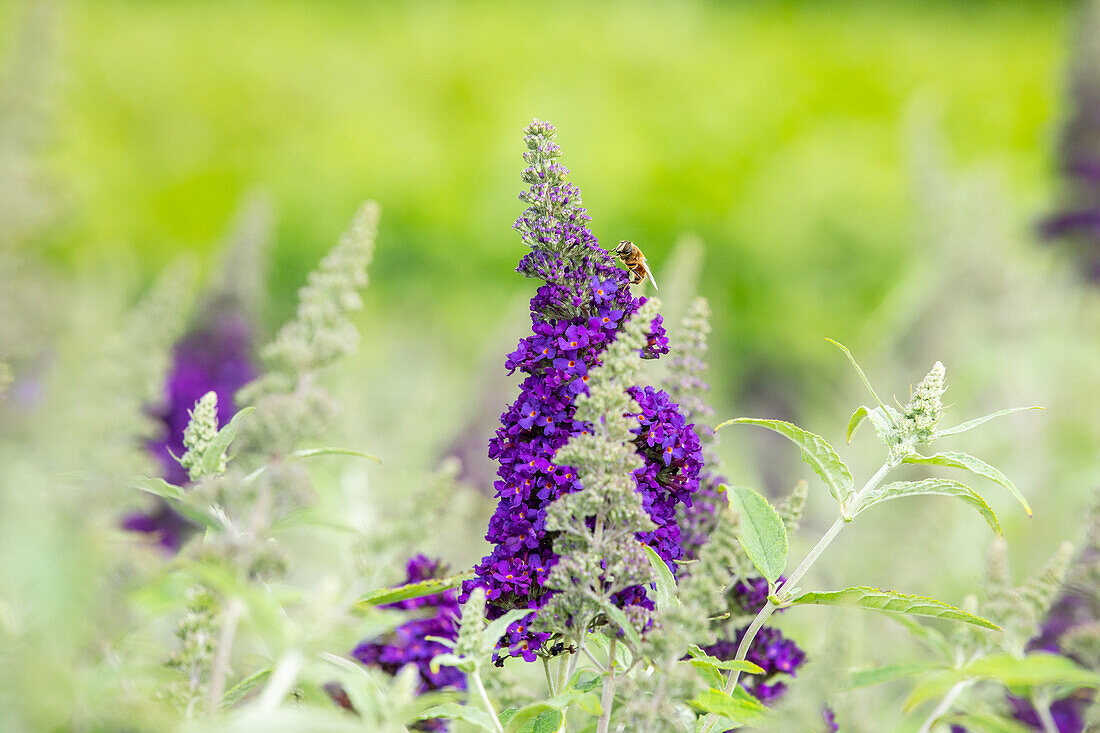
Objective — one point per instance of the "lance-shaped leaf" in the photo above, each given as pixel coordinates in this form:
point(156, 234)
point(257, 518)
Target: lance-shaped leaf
point(178, 498)
point(454, 711)
point(619, 619)
point(932, 486)
point(890, 601)
point(888, 673)
point(742, 665)
point(967, 462)
point(496, 628)
point(853, 423)
point(211, 458)
point(429, 587)
point(315, 452)
point(971, 424)
point(761, 531)
point(1034, 670)
point(665, 582)
point(738, 708)
point(862, 377)
point(816, 453)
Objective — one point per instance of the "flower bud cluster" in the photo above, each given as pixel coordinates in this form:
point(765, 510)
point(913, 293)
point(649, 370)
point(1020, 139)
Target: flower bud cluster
point(925, 406)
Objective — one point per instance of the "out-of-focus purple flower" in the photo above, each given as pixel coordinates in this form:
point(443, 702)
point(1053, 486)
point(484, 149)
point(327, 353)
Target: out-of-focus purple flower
point(1077, 219)
point(434, 615)
point(216, 356)
point(1068, 713)
point(575, 314)
point(830, 720)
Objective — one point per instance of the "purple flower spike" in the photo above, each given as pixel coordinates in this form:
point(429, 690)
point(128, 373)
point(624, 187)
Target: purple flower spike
point(575, 314)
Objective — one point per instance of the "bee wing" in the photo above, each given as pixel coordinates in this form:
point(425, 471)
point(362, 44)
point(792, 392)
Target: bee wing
point(649, 272)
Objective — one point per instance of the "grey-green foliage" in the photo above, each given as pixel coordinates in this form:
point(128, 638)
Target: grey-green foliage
point(243, 257)
point(26, 96)
point(601, 560)
point(1019, 609)
point(290, 405)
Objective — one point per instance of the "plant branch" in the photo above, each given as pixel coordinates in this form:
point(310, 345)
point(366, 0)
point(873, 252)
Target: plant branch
point(479, 686)
point(945, 705)
point(796, 575)
point(607, 698)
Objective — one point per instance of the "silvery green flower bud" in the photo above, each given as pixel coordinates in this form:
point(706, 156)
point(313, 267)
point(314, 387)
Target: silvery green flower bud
point(199, 434)
point(925, 406)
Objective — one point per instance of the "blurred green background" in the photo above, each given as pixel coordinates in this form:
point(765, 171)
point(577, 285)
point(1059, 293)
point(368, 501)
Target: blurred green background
point(775, 131)
point(869, 172)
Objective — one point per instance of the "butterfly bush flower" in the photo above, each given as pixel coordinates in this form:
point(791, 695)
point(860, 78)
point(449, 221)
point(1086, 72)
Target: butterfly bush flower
point(435, 615)
point(577, 311)
point(214, 357)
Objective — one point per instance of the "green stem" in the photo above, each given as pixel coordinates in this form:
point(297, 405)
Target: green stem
point(607, 698)
point(549, 679)
point(1041, 703)
point(219, 671)
point(945, 705)
point(796, 575)
point(475, 677)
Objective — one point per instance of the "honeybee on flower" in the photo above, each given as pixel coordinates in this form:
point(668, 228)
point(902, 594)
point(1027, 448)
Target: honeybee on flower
point(632, 257)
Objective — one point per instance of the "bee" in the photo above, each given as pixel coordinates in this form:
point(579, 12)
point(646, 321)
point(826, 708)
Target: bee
point(635, 261)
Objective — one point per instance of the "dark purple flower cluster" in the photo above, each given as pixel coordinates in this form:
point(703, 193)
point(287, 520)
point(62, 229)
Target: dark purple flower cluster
point(214, 357)
point(773, 652)
point(407, 644)
point(575, 315)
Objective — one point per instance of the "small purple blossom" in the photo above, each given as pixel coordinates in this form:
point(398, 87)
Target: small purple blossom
point(777, 655)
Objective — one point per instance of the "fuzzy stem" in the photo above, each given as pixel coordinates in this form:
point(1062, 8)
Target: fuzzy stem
point(945, 705)
point(475, 677)
point(796, 575)
point(1041, 703)
point(220, 669)
point(607, 698)
point(549, 678)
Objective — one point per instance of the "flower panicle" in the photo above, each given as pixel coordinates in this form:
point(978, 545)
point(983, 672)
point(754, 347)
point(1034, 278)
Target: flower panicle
point(320, 332)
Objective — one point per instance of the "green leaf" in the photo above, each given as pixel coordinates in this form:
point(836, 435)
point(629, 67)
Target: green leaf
point(931, 486)
point(853, 423)
point(585, 680)
point(314, 452)
point(454, 711)
point(665, 583)
point(863, 377)
point(498, 626)
point(430, 587)
point(211, 459)
point(967, 462)
point(528, 717)
point(741, 665)
point(971, 424)
point(1034, 670)
point(761, 531)
point(890, 601)
point(159, 487)
point(888, 673)
point(180, 501)
point(929, 635)
point(816, 453)
point(236, 693)
point(619, 619)
point(737, 708)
